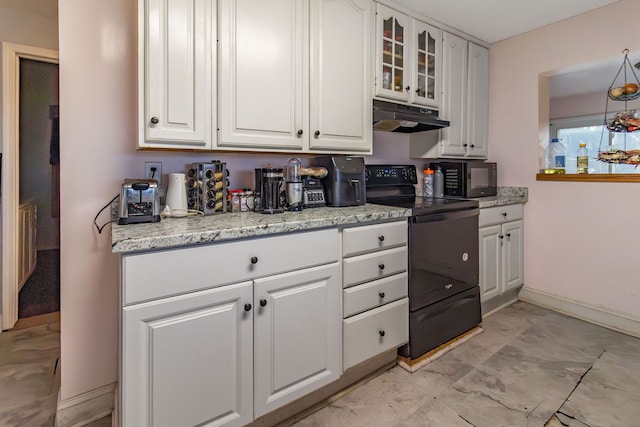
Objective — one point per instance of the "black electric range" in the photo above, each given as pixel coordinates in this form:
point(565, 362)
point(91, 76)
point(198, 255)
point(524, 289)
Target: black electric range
point(394, 185)
point(443, 267)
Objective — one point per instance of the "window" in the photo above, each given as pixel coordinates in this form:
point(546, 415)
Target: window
point(591, 130)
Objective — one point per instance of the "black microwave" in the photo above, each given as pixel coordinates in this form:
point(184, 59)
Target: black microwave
point(468, 178)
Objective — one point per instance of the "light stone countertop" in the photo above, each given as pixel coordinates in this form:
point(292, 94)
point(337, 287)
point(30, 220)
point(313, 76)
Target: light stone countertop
point(505, 196)
point(174, 232)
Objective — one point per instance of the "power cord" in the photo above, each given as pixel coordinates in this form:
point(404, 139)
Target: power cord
point(100, 228)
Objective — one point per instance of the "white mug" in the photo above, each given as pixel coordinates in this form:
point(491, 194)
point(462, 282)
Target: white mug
point(176, 198)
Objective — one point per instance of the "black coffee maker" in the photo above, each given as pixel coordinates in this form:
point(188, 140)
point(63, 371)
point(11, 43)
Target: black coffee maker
point(268, 190)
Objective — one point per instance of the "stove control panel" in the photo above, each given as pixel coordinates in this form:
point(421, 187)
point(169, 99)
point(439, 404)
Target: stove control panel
point(391, 175)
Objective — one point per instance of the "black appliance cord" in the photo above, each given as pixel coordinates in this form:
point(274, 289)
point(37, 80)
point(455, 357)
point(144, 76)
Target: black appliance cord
point(100, 228)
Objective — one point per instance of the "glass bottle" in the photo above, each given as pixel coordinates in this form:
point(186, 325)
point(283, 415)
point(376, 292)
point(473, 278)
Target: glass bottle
point(582, 159)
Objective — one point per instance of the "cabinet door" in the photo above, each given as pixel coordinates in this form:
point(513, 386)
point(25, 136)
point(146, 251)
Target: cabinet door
point(340, 98)
point(477, 134)
point(392, 53)
point(454, 89)
point(490, 261)
point(426, 55)
point(513, 269)
point(264, 74)
point(297, 335)
point(188, 360)
point(176, 74)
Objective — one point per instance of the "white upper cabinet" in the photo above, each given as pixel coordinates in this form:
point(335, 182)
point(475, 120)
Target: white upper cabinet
point(340, 76)
point(294, 75)
point(264, 67)
point(176, 75)
point(465, 101)
point(408, 55)
point(477, 138)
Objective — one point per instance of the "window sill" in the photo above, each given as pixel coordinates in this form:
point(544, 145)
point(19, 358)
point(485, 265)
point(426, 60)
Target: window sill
point(596, 177)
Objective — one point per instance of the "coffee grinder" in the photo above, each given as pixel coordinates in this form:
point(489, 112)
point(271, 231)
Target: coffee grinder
point(294, 185)
point(267, 190)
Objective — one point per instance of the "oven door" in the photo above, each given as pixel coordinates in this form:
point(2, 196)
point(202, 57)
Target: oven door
point(443, 256)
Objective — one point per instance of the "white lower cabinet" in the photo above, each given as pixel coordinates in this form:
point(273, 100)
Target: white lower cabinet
point(375, 282)
point(230, 353)
point(296, 335)
point(501, 237)
point(188, 360)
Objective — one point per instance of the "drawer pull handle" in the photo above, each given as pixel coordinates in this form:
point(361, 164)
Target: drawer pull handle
point(381, 238)
point(381, 333)
point(381, 294)
point(381, 266)
point(449, 286)
point(263, 302)
point(247, 307)
point(254, 260)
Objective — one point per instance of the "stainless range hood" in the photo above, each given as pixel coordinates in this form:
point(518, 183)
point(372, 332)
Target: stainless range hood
point(392, 117)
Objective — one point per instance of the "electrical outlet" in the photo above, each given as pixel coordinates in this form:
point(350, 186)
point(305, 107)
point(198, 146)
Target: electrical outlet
point(153, 170)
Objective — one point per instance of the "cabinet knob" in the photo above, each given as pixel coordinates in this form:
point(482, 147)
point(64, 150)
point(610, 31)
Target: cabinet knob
point(381, 294)
point(504, 214)
point(254, 260)
point(263, 302)
point(155, 120)
point(300, 132)
point(500, 236)
point(508, 235)
point(408, 88)
point(381, 238)
point(247, 307)
point(381, 266)
point(381, 332)
point(464, 145)
point(317, 133)
point(472, 145)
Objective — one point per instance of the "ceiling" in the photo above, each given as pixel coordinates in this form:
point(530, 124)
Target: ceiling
point(495, 20)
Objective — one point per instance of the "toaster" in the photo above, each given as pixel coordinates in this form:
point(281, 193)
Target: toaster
point(139, 201)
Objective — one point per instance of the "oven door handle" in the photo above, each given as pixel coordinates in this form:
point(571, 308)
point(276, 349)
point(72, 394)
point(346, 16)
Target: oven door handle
point(443, 216)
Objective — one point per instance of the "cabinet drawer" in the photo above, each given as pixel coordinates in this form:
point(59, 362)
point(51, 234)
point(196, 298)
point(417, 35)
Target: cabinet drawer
point(500, 214)
point(372, 266)
point(375, 331)
point(370, 295)
point(369, 238)
point(158, 274)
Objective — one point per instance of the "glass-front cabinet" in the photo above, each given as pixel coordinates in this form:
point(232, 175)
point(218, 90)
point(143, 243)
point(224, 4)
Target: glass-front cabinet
point(407, 58)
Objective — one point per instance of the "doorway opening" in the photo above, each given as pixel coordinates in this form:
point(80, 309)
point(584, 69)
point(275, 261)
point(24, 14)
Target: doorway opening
point(39, 192)
point(29, 186)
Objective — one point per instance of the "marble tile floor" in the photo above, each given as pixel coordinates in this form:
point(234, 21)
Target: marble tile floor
point(28, 381)
point(530, 367)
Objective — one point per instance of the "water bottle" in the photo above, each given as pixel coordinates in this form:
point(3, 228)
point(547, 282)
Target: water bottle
point(582, 159)
point(428, 182)
point(556, 154)
point(438, 183)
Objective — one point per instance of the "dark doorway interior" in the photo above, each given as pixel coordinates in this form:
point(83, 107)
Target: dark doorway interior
point(39, 167)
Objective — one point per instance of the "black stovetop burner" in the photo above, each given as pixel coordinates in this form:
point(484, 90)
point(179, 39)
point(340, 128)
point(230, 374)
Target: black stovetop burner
point(394, 185)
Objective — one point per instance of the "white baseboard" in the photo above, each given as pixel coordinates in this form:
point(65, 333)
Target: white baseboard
point(597, 315)
point(87, 407)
